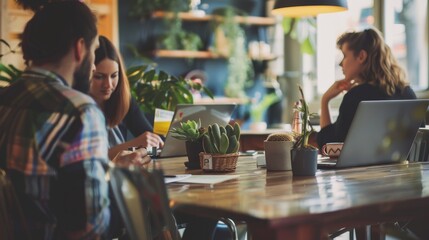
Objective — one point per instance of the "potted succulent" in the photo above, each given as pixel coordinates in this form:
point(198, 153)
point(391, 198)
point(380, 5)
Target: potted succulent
point(277, 148)
point(192, 133)
point(303, 155)
point(220, 146)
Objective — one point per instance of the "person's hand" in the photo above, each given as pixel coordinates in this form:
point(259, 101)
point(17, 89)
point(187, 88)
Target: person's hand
point(126, 158)
point(338, 87)
point(149, 139)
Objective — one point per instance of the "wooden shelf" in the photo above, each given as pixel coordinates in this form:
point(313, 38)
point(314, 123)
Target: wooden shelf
point(185, 54)
point(270, 57)
point(251, 20)
point(200, 54)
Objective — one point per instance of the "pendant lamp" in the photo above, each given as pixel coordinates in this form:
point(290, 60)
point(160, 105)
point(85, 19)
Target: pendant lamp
point(306, 8)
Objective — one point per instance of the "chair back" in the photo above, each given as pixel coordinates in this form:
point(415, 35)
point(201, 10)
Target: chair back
point(11, 215)
point(420, 149)
point(143, 202)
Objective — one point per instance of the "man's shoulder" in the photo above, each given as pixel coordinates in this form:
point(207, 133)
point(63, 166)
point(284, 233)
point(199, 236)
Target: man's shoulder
point(76, 98)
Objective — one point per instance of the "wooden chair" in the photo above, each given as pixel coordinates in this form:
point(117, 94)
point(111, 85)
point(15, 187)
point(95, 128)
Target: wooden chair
point(143, 203)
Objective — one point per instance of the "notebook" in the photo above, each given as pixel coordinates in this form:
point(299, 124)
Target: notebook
point(207, 113)
point(381, 132)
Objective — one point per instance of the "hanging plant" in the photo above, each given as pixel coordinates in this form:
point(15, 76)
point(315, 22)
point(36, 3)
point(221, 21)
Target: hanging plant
point(178, 39)
point(230, 41)
point(303, 30)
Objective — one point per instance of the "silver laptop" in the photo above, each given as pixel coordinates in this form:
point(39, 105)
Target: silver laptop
point(381, 132)
point(207, 113)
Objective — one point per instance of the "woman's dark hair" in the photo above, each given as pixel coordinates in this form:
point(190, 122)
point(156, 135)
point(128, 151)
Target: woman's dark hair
point(116, 107)
point(381, 68)
point(53, 30)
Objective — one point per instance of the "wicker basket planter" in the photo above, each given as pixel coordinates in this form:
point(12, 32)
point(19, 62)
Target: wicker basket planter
point(218, 162)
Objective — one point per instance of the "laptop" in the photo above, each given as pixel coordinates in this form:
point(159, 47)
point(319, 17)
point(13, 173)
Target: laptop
point(381, 132)
point(208, 114)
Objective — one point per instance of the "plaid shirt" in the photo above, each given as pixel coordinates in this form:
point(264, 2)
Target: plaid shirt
point(53, 143)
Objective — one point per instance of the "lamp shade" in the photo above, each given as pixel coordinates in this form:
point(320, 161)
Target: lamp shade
point(304, 8)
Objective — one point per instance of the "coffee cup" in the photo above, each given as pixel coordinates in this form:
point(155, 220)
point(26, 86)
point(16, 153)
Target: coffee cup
point(332, 149)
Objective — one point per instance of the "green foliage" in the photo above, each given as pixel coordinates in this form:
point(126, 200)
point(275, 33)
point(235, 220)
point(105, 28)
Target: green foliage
point(178, 39)
point(307, 128)
point(222, 140)
point(303, 30)
point(257, 110)
point(8, 73)
point(145, 8)
point(154, 89)
point(188, 131)
point(230, 41)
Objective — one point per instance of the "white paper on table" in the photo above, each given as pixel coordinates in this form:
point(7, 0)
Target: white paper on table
point(208, 179)
point(175, 178)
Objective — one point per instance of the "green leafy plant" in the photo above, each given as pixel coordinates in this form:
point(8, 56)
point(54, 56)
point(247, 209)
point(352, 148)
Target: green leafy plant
point(158, 89)
point(303, 30)
point(188, 131)
point(222, 140)
point(307, 128)
point(257, 110)
point(8, 73)
point(177, 39)
point(230, 42)
point(145, 8)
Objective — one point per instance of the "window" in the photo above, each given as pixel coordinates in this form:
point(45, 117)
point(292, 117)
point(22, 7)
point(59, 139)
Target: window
point(404, 28)
point(329, 27)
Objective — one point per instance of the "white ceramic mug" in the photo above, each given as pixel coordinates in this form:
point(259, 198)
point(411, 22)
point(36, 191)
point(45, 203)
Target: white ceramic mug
point(332, 149)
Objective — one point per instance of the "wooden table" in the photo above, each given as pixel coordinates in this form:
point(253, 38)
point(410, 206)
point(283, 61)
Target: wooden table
point(277, 205)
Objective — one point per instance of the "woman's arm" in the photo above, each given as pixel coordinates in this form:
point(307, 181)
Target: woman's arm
point(332, 92)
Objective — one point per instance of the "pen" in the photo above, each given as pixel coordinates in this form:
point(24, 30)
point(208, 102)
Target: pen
point(170, 176)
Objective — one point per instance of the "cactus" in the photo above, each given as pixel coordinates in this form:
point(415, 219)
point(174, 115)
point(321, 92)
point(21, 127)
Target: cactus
point(221, 140)
point(281, 136)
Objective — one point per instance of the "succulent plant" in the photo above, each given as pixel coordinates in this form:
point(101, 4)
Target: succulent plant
point(281, 136)
point(222, 140)
point(189, 131)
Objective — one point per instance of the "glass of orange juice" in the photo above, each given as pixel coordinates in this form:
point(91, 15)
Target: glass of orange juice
point(162, 121)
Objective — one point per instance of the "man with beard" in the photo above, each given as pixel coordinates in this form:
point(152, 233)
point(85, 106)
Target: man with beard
point(53, 141)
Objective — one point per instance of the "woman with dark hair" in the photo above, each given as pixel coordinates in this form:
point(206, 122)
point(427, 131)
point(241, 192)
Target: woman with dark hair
point(111, 90)
point(371, 73)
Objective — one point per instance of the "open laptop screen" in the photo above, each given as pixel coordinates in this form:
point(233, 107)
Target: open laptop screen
point(207, 113)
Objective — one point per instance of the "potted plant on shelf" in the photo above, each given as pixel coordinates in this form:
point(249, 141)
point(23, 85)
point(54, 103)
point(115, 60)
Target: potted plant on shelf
point(192, 133)
point(277, 148)
point(220, 146)
point(303, 155)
